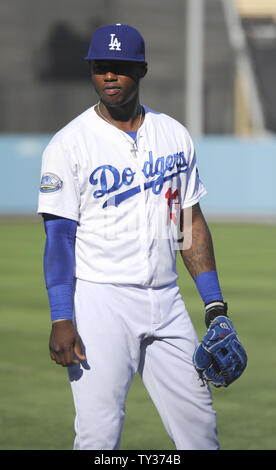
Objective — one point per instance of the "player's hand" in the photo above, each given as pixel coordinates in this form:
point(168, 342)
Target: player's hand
point(65, 344)
point(220, 357)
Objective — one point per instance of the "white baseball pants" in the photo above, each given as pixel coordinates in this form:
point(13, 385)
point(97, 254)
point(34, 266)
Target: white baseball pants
point(129, 328)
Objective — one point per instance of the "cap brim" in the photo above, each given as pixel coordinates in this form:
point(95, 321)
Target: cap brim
point(129, 59)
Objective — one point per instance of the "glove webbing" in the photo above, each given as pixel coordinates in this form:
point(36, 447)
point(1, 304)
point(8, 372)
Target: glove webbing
point(215, 309)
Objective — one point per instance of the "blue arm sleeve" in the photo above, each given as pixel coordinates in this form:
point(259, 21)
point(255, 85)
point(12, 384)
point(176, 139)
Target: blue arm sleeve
point(208, 286)
point(59, 264)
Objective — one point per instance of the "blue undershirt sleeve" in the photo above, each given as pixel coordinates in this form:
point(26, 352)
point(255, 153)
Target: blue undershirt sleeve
point(59, 264)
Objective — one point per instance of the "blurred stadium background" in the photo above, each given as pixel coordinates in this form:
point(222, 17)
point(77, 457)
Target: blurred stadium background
point(212, 66)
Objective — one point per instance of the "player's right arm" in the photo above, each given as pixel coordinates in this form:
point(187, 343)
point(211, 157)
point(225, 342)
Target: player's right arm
point(59, 266)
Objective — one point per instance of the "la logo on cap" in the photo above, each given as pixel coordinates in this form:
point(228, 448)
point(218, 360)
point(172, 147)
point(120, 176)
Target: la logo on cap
point(114, 43)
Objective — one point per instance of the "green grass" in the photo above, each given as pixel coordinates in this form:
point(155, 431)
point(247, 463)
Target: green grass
point(36, 407)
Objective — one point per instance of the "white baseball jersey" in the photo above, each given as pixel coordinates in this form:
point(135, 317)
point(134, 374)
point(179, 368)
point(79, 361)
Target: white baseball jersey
point(127, 206)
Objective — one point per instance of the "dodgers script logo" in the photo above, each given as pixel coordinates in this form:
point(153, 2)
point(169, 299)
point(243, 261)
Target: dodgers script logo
point(110, 179)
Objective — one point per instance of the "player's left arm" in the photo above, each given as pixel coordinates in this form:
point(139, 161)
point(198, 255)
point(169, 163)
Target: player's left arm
point(199, 257)
point(220, 357)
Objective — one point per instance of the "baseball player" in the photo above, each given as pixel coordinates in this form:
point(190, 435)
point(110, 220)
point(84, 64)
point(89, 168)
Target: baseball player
point(120, 196)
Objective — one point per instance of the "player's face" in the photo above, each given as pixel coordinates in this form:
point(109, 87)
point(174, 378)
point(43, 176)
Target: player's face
point(117, 82)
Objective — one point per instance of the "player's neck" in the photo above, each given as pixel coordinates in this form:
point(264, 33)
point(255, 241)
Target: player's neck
point(125, 117)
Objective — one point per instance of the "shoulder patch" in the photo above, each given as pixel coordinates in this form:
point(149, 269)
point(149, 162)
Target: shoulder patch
point(50, 183)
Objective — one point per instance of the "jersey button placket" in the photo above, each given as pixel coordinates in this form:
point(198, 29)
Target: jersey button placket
point(144, 212)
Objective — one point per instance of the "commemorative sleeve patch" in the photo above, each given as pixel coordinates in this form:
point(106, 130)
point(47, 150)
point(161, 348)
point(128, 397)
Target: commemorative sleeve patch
point(50, 183)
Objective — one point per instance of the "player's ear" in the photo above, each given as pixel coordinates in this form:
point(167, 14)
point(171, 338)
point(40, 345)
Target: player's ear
point(144, 69)
point(90, 68)
point(141, 70)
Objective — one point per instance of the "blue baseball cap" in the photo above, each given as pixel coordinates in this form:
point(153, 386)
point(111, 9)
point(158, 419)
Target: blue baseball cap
point(117, 42)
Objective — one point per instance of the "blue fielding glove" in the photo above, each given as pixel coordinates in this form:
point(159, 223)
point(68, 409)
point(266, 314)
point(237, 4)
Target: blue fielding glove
point(220, 357)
